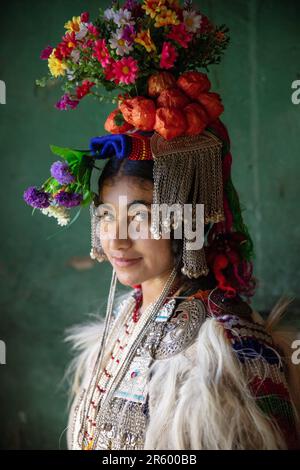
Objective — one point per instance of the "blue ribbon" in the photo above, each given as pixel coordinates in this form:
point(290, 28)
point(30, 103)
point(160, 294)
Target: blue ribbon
point(107, 146)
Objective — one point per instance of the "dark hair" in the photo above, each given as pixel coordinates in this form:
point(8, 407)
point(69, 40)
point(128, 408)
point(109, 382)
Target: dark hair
point(115, 169)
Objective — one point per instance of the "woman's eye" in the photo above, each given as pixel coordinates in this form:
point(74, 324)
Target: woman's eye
point(141, 216)
point(106, 216)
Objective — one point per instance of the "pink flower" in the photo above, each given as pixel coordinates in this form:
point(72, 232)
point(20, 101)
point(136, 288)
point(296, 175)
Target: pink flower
point(101, 52)
point(86, 45)
point(84, 17)
point(168, 56)
point(125, 70)
point(45, 54)
point(179, 34)
point(93, 30)
point(66, 102)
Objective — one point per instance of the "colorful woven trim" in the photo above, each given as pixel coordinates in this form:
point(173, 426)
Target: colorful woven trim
point(264, 369)
point(140, 148)
point(133, 146)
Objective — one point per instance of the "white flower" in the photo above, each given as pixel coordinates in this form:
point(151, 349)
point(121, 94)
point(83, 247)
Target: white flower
point(116, 42)
point(70, 75)
point(123, 17)
point(82, 32)
point(109, 14)
point(60, 213)
point(75, 54)
point(192, 21)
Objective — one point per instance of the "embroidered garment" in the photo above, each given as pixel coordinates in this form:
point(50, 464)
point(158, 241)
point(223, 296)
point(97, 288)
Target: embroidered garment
point(205, 376)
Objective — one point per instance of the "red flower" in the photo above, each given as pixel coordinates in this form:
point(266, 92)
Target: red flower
point(101, 52)
point(93, 30)
point(206, 26)
point(179, 34)
point(168, 56)
point(84, 17)
point(66, 46)
point(88, 44)
point(45, 54)
point(109, 73)
point(84, 88)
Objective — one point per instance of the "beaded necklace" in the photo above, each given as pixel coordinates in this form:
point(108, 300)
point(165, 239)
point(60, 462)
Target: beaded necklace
point(117, 355)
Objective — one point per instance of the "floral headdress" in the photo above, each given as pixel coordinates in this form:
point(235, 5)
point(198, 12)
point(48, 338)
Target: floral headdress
point(144, 51)
point(149, 58)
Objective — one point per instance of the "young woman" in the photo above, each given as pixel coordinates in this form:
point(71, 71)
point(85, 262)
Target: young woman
point(181, 361)
point(202, 373)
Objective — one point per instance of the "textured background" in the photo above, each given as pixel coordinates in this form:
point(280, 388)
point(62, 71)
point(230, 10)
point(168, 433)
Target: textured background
point(50, 284)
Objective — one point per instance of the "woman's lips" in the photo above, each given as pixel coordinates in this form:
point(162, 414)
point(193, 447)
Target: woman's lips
point(124, 263)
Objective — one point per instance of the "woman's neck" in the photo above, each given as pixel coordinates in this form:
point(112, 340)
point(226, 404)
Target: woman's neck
point(152, 288)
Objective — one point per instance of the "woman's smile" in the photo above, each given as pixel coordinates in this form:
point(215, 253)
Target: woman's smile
point(123, 262)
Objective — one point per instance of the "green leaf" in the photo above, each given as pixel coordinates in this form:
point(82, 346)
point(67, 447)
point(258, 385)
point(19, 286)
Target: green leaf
point(70, 155)
point(87, 198)
point(42, 82)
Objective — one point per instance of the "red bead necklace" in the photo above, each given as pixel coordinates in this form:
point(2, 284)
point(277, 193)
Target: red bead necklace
point(139, 299)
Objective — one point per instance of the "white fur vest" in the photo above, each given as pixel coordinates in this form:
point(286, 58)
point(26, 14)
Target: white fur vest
point(232, 385)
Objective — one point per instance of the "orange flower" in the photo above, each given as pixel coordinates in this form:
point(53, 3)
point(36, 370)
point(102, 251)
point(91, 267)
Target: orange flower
point(113, 126)
point(165, 17)
point(159, 82)
point(196, 117)
point(172, 97)
point(212, 105)
point(144, 38)
point(139, 112)
point(194, 83)
point(73, 24)
point(170, 123)
point(220, 36)
point(153, 7)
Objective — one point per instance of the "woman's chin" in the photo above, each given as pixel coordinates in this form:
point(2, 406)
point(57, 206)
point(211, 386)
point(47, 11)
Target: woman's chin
point(127, 278)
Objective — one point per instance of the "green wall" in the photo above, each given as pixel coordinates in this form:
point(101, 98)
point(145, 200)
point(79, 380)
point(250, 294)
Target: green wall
point(50, 284)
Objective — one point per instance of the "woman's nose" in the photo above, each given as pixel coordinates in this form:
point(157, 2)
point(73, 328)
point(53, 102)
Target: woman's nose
point(120, 239)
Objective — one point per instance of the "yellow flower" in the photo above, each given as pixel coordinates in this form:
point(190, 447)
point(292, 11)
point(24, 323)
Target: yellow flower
point(73, 24)
point(166, 17)
point(144, 38)
point(56, 66)
point(152, 7)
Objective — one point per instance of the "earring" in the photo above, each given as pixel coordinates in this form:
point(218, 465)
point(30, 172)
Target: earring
point(96, 246)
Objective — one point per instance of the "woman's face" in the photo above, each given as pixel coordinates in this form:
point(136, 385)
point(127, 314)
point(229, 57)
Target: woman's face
point(150, 258)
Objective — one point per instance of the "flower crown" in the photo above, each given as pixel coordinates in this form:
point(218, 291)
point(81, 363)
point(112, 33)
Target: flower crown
point(145, 57)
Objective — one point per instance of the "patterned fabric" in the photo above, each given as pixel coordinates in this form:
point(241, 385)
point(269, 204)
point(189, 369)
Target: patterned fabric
point(263, 363)
point(124, 423)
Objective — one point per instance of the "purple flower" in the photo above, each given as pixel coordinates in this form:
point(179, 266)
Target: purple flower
point(68, 199)
point(66, 103)
point(45, 54)
point(128, 33)
point(36, 198)
point(130, 4)
point(61, 172)
point(134, 7)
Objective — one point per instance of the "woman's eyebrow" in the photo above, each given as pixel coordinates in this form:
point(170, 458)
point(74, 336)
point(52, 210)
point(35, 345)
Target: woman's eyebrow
point(139, 201)
point(135, 201)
